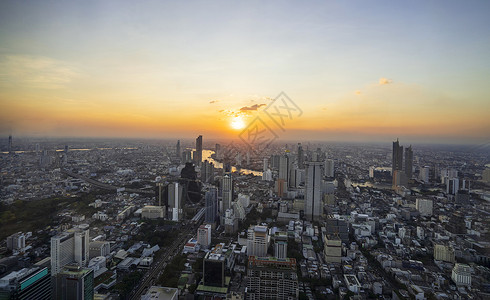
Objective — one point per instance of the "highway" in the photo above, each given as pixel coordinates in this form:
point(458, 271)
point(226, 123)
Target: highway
point(104, 186)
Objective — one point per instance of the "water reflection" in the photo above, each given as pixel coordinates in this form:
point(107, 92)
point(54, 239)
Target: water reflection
point(206, 155)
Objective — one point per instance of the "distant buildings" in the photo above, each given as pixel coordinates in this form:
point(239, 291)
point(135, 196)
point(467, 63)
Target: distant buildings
point(397, 159)
point(272, 278)
point(227, 191)
point(313, 197)
point(401, 173)
point(329, 168)
point(409, 162)
point(211, 202)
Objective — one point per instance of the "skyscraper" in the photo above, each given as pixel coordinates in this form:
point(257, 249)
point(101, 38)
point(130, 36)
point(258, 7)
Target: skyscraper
point(397, 163)
point(27, 283)
point(207, 172)
point(284, 165)
point(257, 240)
point(227, 191)
point(313, 205)
point(10, 144)
point(175, 201)
point(408, 162)
point(211, 211)
point(69, 247)
point(301, 156)
point(177, 149)
point(198, 157)
point(74, 282)
point(329, 168)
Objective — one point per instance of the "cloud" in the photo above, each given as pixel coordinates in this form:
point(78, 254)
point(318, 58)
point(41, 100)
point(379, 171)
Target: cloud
point(36, 71)
point(358, 93)
point(251, 108)
point(383, 80)
point(213, 101)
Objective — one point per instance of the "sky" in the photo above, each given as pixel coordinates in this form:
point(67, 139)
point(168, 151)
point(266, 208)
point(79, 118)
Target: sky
point(358, 70)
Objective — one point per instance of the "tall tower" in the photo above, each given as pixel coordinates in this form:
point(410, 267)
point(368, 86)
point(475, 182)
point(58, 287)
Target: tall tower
point(300, 156)
point(177, 149)
point(329, 168)
point(397, 163)
point(211, 211)
point(313, 205)
point(227, 191)
point(10, 144)
point(198, 157)
point(284, 168)
point(408, 161)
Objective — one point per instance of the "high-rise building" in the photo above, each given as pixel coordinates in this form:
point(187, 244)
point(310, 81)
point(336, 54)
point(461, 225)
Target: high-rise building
point(461, 274)
point(198, 157)
point(281, 249)
point(175, 201)
point(16, 241)
point(284, 165)
point(74, 282)
point(10, 144)
point(313, 197)
point(207, 172)
point(227, 191)
point(204, 235)
point(27, 283)
point(329, 168)
point(424, 206)
point(214, 268)
point(266, 165)
point(272, 278)
point(444, 252)
point(177, 149)
point(424, 174)
point(397, 160)
point(257, 240)
point(211, 199)
point(301, 156)
point(408, 162)
point(71, 246)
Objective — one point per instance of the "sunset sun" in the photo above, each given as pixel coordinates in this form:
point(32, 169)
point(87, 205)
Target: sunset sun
point(237, 123)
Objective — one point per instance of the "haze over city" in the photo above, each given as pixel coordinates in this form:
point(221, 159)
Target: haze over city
point(360, 71)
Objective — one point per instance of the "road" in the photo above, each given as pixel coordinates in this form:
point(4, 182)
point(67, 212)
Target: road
point(105, 186)
point(152, 275)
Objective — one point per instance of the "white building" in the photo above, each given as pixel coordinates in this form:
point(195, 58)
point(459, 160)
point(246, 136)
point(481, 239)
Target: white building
point(329, 168)
point(424, 174)
point(257, 241)
point(152, 212)
point(204, 236)
point(281, 249)
point(461, 275)
point(16, 241)
point(67, 247)
point(424, 206)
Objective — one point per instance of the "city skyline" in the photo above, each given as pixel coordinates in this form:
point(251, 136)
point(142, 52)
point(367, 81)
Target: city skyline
point(359, 71)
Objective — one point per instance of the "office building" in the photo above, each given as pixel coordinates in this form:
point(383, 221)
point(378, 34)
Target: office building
point(301, 156)
point(272, 278)
point(332, 248)
point(424, 174)
point(461, 275)
point(329, 168)
point(175, 201)
point(207, 172)
point(227, 191)
point(16, 241)
point(161, 293)
point(257, 240)
point(204, 236)
point(444, 252)
point(424, 206)
point(280, 249)
point(313, 197)
point(177, 149)
point(409, 162)
point(27, 283)
point(397, 160)
point(211, 202)
point(69, 247)
point(99, 248)
point(198, 153)
point(214, 269)
point(337, 226)
point(75, 283)
point(153, 212)
point(284, 165)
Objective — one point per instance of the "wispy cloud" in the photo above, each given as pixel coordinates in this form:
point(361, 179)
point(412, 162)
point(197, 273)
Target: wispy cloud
point(252, 107)
point(383, 80)
point(35, 72)
point(357, 93)
point(213, 101)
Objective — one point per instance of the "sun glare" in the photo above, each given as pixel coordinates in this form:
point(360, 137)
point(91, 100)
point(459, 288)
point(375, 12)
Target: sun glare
point(237, 123)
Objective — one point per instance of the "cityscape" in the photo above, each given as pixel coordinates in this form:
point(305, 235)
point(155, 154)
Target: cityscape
point(247, 151)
